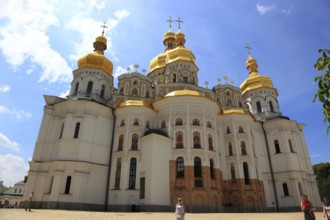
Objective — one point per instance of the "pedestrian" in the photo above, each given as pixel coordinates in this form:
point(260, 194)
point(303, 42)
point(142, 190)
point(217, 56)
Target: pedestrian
point(133, 206)
point(307, 208)
point(326, 209)
point(180, 210)
point(28, 203)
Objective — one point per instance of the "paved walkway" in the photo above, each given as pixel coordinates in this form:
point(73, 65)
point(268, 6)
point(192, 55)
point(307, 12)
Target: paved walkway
point(47, 214)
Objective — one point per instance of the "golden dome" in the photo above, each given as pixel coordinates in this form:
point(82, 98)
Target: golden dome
point(96, 59)
point(170, 35)
point(180, 53)
point(157, 62)
point(133, 103)
point(184, 92)
point(180, 38)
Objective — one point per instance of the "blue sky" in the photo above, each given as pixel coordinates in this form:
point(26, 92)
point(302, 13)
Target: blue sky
point(40, 42)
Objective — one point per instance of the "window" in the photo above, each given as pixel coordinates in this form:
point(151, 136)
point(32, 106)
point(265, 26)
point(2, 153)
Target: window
point(185, 79)
point(67, 185)
point(122, 123)
point(121, 91)
point(300, 189)
point(209, 124)
point(198, 172)
point(118, 173)
point(196, 140)
point(163, 124)
point(271, 106)
point(76, 130)
point(196, 122)
point(228, 130)
point(135, 82)
point(285, 189)
point(240, 129)
point(179, 167)
point(174, 77)
point(246, 174)
point(229, 102)
point(102, 91)
point(120, 142)
point(178, 121)
point(51, 185)
point(232, 172)
point(89, 87)
point(243, 148)
point(212, 175)
point(142, 187)
point(210, 140)
point(291, 148)
point(76, 88)
point(132, 174)
point(148, 125)
point(134, 92)
point(136, 122)
point(277, 147)
point(258, 107)
point(61, 132)
point(179, 140)
point(240, 104)
point(230, 149)
point(135, 140)
point(147, 94)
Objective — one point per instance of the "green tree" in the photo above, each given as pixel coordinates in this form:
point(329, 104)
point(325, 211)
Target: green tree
point(322, 172)
point(323, 93)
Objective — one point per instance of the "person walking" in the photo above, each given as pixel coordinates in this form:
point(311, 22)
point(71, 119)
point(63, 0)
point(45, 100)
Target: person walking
point(326, 209)
point(28, 203)
point(307, 208)
point(180, 210)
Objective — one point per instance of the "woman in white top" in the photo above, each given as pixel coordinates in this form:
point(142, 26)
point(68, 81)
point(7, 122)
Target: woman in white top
point(179, 210)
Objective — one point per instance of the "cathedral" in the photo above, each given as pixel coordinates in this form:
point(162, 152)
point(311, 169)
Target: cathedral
point(158, 136)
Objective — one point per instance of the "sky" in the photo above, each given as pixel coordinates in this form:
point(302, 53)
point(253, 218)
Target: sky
point(40, 42)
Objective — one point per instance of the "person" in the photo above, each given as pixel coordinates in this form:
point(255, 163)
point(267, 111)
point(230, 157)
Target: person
point(326, 209)
point(133, 205)
point(179, 210)
point(307, 208)
point(29, 203)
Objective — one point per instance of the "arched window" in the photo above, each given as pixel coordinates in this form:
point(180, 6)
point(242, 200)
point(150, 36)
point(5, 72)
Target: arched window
point(121, 91)
point(230, 149)
point(209, 124)
point(61, 132)
point(76, 88)
point(198, 172)
point(179, 140)
point(178, 121)
point(122, 123)
point(285, 189)
point(240, 129)
point(135, 140)
point(291, 147)
point(120, 142)
point(132, 174)
point(135, 82)
point(148, 125)
point(163, 124)
point(258, 107)
point(134, 92)
point(243, 148)
point(76, 130)
point(232, 172)
point(147, 94)
point(196, 122)
point(240, 104)
point(136, 122)
point(197, 143)
point(229, 102)
point(118, 173)
point(67, 185)
point(89, 87)
point(271, 106)
point(228, 130)
point(277, 147)
point(212, 175)
point(246, 174)
point(227, 93)
point(210, 140)
point(179, 167)
point(102, 91)
point(174, 77)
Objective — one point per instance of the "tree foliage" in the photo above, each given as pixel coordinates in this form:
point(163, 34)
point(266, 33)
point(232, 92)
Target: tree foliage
point(322, 172)
point(323, 81)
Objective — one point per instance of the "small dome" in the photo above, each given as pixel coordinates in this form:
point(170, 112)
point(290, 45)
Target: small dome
point(157, 62)
point(251, 65)
point(169, 35)
point(184, 92)
point(180, 38)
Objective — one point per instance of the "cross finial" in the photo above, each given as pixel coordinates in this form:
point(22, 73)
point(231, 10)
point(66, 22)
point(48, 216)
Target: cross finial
point(170, 21)
point(179, 21)
point(103, 26)
point(247, 46)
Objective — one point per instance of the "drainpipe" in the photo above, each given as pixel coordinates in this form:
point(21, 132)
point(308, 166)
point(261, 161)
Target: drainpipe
point(271, 167)
point(110, 160)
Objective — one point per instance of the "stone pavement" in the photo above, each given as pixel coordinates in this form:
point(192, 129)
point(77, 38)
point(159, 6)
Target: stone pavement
point(47, 214)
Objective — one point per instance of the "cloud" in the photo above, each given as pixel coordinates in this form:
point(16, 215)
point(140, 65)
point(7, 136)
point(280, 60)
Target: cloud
point(19, 115)
point(287, 11)
point(7, 143)
point(121, 70)
point(13, 169)
point(4, 88)
point(65, 94)
point(315, 155)
point(263, 9)
point(23, 38)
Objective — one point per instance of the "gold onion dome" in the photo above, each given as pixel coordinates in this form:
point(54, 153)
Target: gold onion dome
point(96, 59)
point(170, 35)
point(180, 38)
point(255, 80)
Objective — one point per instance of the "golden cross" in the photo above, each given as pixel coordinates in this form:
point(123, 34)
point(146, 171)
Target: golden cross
point(170, 21)
point(247, 46)
point(103, 26)
point(179, 21)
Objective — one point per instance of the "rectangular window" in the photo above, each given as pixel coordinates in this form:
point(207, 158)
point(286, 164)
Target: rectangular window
point(76, 131)
point(142, 187)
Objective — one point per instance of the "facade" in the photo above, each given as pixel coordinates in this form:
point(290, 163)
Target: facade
point(13, 196)
point(160, 136)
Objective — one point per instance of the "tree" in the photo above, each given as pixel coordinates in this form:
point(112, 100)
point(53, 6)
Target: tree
point(323, 93)
point(322, 172)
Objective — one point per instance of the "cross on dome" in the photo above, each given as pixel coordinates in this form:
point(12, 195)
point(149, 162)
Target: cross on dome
point(179, 21)
point(103, 26)
point(248, 47)
point(170, 21)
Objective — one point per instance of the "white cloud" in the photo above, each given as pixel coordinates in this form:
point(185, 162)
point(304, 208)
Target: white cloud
point(263, 9)
point(13, 169)
point(23, 38)
point(19, 115)
point(315, 155)
point(287, 11)
point(4, 88)
point(65, 94)
point(121, 70)
point(7, 143)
